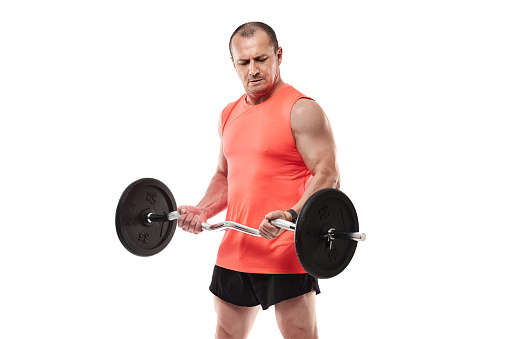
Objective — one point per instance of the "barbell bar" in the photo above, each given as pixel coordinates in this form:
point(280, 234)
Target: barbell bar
point(332, 233)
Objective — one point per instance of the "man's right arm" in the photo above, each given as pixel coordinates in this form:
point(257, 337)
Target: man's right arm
point(213, 202)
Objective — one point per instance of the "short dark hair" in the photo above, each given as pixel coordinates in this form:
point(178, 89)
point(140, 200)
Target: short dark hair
point(248, 30)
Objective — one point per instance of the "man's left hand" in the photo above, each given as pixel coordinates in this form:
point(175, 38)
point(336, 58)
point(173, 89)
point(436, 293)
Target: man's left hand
point(269, 231)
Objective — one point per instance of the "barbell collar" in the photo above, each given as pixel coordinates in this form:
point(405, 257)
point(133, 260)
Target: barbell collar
point(152, 217)
point(333, 234)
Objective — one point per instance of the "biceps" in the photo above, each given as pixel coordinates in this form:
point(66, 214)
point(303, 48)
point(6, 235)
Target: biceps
point(313, 137)
point(318, 152)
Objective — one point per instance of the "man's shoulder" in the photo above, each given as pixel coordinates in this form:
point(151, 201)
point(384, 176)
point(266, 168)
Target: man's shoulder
point(305, 104)
point(234, 104)
point(307, 113)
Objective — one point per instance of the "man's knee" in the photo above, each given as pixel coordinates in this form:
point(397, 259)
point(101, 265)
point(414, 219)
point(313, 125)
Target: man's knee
point(232, 329)
point(227, 333)
point(291, 328)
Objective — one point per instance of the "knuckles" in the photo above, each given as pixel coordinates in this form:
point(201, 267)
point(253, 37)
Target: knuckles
point(188, 221)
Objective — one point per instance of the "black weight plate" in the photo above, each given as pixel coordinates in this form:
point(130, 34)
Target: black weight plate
point(139, 198)
point(326, 209)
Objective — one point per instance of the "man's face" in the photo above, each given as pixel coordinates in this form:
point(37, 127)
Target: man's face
point(257, 64)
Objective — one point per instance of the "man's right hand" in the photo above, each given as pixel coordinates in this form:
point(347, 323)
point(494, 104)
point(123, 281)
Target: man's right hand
point(190, 219)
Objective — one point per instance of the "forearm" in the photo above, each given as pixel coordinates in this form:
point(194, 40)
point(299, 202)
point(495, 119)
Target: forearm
point(215, 199)
point(327, 178)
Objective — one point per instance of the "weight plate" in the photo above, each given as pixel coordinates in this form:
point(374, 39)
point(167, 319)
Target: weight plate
point(135, 233)
point(326, 209)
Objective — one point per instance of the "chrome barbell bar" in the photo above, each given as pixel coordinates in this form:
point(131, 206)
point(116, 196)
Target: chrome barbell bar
point(332, 233)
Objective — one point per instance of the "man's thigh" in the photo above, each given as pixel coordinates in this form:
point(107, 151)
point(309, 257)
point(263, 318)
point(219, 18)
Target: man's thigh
point(296, 317)
point(234, 321)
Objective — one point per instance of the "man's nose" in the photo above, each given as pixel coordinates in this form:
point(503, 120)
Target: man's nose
point(253, 68)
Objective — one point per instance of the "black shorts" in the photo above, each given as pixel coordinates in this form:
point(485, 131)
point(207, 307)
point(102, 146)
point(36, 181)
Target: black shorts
point(251, 289)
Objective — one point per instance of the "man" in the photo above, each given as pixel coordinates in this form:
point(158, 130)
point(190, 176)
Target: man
point(277, 148)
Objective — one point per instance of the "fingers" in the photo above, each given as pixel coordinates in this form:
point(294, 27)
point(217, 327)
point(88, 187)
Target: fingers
point(269, 231)
point(275, 215)
point(189, 219)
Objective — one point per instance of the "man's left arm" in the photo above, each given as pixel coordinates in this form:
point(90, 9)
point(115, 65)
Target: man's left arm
point(315, 142)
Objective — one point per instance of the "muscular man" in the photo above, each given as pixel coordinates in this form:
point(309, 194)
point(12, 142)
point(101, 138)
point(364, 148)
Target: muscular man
point(277, 148)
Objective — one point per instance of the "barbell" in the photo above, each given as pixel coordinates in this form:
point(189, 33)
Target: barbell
point(326, 231)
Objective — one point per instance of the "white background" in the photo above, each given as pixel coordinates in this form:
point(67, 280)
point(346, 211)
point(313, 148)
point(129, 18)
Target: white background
point(416, 92)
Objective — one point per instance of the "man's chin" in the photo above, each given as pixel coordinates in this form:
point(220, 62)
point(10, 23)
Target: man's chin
point(257, 87)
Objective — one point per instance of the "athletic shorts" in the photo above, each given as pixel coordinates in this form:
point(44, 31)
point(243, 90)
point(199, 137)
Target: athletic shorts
point(251, 289)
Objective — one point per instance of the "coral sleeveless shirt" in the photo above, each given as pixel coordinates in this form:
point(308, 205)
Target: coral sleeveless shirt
point(265, 173)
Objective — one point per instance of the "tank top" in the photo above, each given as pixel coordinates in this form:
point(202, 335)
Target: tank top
point(265, 173)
